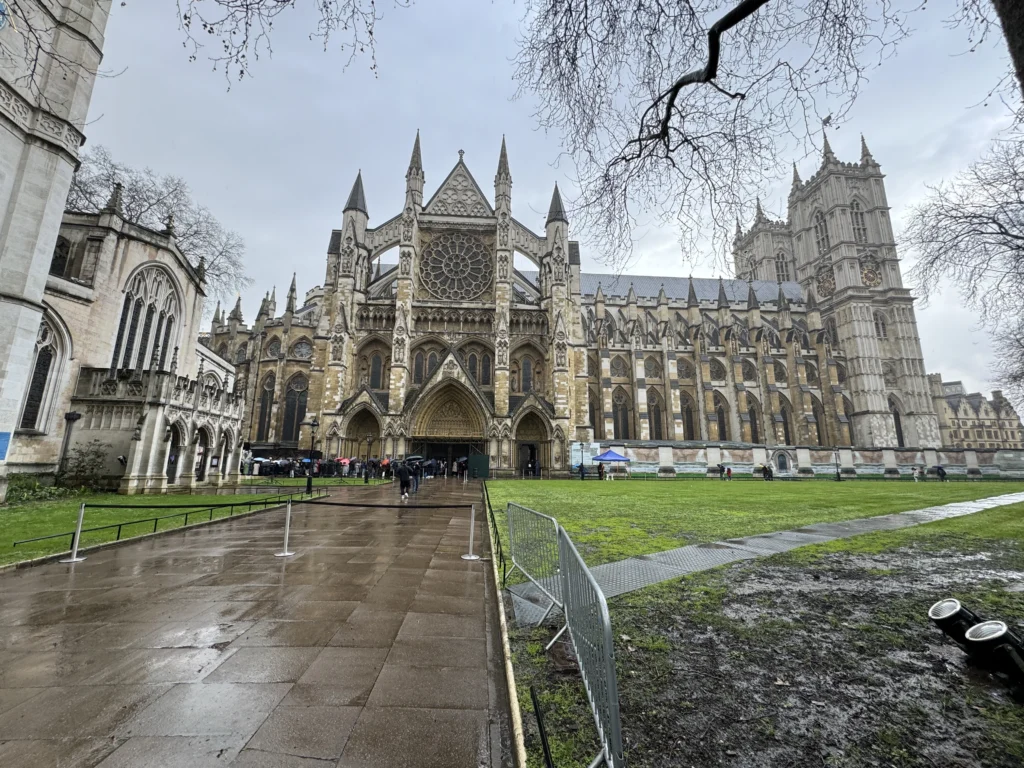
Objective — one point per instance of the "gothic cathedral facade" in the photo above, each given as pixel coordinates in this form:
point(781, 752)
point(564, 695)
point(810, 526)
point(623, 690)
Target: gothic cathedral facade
point(452, 351)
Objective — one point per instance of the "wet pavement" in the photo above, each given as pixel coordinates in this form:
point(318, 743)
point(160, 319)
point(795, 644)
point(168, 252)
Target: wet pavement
point(374, 645)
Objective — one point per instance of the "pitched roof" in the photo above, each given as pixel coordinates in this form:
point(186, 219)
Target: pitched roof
point(356, 198)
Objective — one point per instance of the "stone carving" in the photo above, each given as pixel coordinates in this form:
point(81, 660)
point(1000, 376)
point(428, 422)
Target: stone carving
point(405, 268)
point(558, 268)
point(560, 354)
point(450, 368)
point(338, 341)
point(889, 375)
point(347, 254)
point(456, 267)
point(459, 196)
point(503, 266)
point(407, 222)
point(502, 352)
point(503, 230)
point(398, 346)
point(449, 420)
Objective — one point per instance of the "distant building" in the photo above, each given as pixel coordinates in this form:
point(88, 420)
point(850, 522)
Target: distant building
point(425, 338)
point(972, 420)
point(116, 359)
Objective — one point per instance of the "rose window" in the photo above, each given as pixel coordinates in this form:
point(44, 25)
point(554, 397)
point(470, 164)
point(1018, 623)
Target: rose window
point(302, 350)
point(456, 267)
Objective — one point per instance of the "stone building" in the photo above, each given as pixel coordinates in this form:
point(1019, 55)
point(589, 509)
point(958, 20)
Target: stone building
point(425, 338)
point(973, 420)
point(44, 100)
point(115, 359)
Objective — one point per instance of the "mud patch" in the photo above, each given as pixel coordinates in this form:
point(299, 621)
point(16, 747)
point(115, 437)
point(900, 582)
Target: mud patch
point(783, 664)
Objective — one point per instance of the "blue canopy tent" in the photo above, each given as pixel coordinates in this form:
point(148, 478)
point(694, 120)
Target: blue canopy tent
point(610, 455)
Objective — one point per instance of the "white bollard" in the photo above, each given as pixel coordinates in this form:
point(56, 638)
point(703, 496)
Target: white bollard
point(472, 527)
point(78, 535)
point(287, 528)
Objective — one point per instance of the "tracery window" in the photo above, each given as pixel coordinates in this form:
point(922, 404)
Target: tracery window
point(821, 236)
point(431, 363)
point(619, 368)
point(652, 368)
point(755, 432)
point(780, 373)
point(456, 266)
point(811, 373)
point(376, 371)
point(881, 331)
point(302, 350)
point(150, 295)
point(832, 331)
point(688, 420)
point(43, 384)
point(716, 369)
point(527, 375)
point(654, 412)
point(471, 364)
point(781, 267)
point(620, 414)
point(61, 257)
point(786, 438)
point(222, 350)
point(294, 408)
point(485, 370)
point(898, 422)
point(720, 418)
point(240, 354)
point(860, 227)
point(274, 348)
point(266, 406)
point(749, 371)
point(684, 368)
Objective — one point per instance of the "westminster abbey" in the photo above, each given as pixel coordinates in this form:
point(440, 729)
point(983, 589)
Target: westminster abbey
point(426, 339)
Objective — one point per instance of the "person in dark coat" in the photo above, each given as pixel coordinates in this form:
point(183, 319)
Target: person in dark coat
point(583, 472)
point(402, 473)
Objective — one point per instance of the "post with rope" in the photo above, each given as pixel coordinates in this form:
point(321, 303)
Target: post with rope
point(472, 528)
point(287, 529)
point(78, 535)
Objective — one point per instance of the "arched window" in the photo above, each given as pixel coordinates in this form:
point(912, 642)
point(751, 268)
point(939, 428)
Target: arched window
point(749, 371)
point(755, 432)
point(472, 366)
point(61, 257)
point(860, 227)
point(897, 422)
point(240, 355)
point(527, 378)
point(832, 332)
point(781, 267)
point(618, 368)
point(716, 369)
point(684, 368)
point(688, 425)
point(149, 294)
point(780, 373)
point(620, 414)
point(417, 369)
point(274, 348)
point(723, 424)
point(593, 412)
point(266, 406)
point(787, 439)
point(881, 330)
point(819, 422)
point(652, 368)
point(294, 408)
point(485, 371)
point(431, 363)
point(44, 381)
point(376, 371)
point(654, 413)
point(821, 238)
point(812, 374)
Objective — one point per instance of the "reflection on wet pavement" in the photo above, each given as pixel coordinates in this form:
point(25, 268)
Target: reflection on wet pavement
point(370, 647)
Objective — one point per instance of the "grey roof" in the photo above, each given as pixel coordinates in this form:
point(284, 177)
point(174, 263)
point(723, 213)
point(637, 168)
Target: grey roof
point(676, 288)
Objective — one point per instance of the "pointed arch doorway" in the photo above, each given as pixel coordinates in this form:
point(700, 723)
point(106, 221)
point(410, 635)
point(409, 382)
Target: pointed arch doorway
point(449, 426)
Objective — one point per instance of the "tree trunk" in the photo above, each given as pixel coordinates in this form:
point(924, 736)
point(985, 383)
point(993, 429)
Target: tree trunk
point(1011, 16)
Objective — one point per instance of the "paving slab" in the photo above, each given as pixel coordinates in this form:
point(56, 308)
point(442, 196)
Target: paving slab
point(372, 646)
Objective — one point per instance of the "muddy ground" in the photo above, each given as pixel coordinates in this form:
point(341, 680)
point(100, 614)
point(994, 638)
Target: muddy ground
point(793, 664)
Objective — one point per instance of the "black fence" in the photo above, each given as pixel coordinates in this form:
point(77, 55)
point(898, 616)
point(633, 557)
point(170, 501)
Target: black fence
point(193, 511)
point(495, 534)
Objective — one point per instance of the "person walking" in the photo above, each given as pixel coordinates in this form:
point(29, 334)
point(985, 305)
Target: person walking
point(942, 474)
point(583, 472)
point(600, 470)
point(402, 473)
point(416, 469)
point(915, 474)
point(728, 473)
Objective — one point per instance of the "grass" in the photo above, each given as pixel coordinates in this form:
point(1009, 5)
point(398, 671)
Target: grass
point(42, 518)
point(614, 520)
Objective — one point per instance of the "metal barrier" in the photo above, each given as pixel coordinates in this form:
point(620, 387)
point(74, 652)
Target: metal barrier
point(590, 629)
point(533, 548)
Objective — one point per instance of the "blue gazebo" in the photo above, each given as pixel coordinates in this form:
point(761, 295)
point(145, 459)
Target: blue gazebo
point(610, 455)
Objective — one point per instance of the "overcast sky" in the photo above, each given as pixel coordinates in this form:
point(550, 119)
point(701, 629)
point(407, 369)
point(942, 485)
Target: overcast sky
point(274, 157)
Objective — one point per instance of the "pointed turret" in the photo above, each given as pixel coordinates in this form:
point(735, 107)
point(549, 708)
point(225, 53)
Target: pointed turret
point(662, 297)
point(631, 295)
point(813, 314)
point(752, 302)
point(272, 304)
point(782, 301)
point(503, 179)
point(797, 181)
point(236, 313)
point(865, 153)
point(376, 273)
point(356, 198)
point(115, 201)
point(414, 177)
point(263, 307)
point(759, 217)
point(723, 300)
point(599, 296)
point(292, 295)
point(691, 295)
point(739, 230)
point(556, 212)
point(827, 155)
point(217, 319)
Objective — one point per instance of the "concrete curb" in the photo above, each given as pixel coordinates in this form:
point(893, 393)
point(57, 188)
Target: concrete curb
point(506, 648)
point(107, 545)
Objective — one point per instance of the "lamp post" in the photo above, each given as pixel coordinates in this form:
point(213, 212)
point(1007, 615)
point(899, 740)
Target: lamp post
point(313, 425)
point(581, 452)
point(369, 443)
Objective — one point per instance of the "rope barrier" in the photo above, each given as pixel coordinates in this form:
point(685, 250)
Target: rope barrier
point(386, 506)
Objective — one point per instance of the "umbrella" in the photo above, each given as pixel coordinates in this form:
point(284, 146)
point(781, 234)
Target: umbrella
point(610, 455)
point(414, 457)
point(304, 461)
point(344, 461)
point(259, 458)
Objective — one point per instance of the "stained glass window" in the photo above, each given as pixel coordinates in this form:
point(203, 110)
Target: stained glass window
point(456, 266)
point(376, 371)
point(417, 369)
point(485, 371)
point(294, 408)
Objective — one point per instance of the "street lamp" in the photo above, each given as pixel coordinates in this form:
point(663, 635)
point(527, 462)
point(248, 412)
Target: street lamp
point(313, 425)
point(581, 452)
point(369, 442)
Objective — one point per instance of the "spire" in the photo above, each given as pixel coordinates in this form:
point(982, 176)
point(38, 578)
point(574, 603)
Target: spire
point(116, 198)
point(865, 153)
point(556, 212)
point(503, 170)
point(376, 274)
point(236, 313)
point(263, 305)
point(797, 181)
point(759, 212)
point(631, 296)
point(662, 298)
point(599, 296)
point(782, 301)
point(811, 303)
point(290, 306)
point(828, 156)
point(415, 162)
point(752, 302)
point(691, 295)
point(216, 315)
point(356, 198)
point(723, 300)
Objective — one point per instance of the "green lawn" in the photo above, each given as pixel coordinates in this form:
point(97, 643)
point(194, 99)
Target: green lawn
point(42, 518)
point(613, 520)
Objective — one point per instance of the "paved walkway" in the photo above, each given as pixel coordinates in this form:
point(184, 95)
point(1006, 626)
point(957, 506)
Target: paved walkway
point(371, 647)
point(644, 570)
